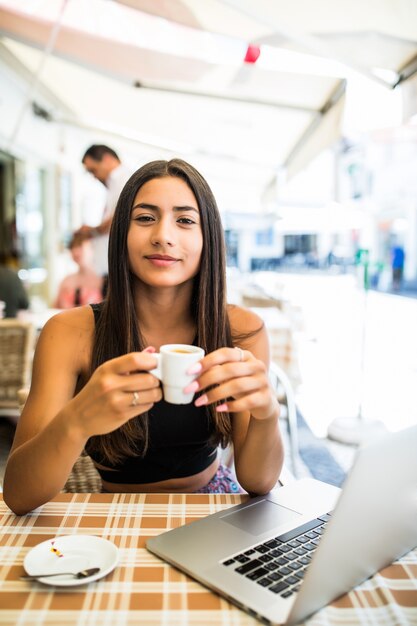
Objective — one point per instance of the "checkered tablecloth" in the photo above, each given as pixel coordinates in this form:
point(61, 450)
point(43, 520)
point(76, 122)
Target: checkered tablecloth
point(143, 589)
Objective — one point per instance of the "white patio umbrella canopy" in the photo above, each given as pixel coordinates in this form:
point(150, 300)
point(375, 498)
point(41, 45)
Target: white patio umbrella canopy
point(168, 78)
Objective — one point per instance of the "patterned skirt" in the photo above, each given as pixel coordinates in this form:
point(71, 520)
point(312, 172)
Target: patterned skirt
point(223, 481)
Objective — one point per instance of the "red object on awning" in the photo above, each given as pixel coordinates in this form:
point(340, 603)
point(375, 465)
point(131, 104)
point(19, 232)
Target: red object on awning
point(252, 54)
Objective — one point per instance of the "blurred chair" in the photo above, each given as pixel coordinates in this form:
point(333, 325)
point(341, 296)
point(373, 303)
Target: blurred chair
point(84, 478)
point(249, 301)
point(255, 297)
point(285, 393)
point(17, 341)
point(282, 342)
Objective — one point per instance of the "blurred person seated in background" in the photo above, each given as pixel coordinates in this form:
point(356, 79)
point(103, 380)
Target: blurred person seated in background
point(93, 386)
point(104, 164)
point(84, 286)
point(12, 290)
point(397, 265)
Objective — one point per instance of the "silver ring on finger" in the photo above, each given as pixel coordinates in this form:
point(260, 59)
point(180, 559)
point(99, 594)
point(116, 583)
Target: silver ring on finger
point(240, 353)
point(135, 399)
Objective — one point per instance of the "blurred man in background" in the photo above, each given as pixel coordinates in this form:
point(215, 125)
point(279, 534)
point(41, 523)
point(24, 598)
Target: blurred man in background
point(104, 164)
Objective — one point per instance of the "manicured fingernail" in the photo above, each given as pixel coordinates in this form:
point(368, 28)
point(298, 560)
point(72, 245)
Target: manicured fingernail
point(201, 401)
point(192, 387)
point(221, 407)
point(194, 369)
point(149, 349)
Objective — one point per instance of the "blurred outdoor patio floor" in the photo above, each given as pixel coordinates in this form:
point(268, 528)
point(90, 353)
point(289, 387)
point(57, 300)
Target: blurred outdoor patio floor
point(354, 348)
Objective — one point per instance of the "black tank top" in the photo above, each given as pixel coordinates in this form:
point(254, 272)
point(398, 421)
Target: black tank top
point(180, 443)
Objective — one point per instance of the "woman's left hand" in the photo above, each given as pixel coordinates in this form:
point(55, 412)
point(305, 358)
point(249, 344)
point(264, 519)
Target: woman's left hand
point(240, 383)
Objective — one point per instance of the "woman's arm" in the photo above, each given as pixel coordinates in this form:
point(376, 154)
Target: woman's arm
point(55, 426)
point(47, 441)
point(242, 377)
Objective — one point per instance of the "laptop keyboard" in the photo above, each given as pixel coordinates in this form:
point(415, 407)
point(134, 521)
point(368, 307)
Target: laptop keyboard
point(279, 564)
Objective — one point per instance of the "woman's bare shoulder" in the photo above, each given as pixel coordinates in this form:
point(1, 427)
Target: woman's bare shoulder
point(73, 328)
point(249, 332)
point(79, 319)
point(243, 321)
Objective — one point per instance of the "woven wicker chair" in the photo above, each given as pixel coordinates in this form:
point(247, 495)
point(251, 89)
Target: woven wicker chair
point(17, 340)
point(84, 478)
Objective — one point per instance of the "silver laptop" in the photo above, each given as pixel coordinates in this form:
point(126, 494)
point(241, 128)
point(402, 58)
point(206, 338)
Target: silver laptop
point(281, 557)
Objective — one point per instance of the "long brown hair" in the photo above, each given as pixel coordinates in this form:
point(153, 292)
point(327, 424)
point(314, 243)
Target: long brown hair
point(118, 329)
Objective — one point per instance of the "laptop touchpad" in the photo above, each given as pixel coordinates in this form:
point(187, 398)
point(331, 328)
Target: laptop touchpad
point(260, 517)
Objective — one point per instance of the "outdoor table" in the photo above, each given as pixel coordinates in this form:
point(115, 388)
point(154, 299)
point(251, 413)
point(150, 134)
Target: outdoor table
point(143, 589)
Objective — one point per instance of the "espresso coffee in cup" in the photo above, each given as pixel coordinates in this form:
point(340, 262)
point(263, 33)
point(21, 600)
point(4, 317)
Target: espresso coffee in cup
point(181, 351)
point(173, 363)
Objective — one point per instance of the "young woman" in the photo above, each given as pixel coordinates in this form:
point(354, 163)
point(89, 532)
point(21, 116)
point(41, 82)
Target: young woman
point(92, 385)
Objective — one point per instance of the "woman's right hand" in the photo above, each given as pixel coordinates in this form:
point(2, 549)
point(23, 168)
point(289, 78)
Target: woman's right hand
point(105, 403)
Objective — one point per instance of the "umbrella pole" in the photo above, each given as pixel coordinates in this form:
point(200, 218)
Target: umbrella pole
point(356, 430)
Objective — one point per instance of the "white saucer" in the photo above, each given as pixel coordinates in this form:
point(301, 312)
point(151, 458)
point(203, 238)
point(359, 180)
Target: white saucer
point(78, 552)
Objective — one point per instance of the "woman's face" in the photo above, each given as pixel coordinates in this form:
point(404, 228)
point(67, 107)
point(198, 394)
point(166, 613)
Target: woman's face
point(82, 253)
point(165, 239)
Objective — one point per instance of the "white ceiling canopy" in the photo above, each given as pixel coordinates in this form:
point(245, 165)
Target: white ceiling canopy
point(169, 77)
point(375, 37)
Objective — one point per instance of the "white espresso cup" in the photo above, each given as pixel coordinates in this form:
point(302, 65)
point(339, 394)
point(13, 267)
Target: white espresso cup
point(174, 359)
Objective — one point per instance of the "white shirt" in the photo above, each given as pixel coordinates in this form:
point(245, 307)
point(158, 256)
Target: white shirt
point(114, 183)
